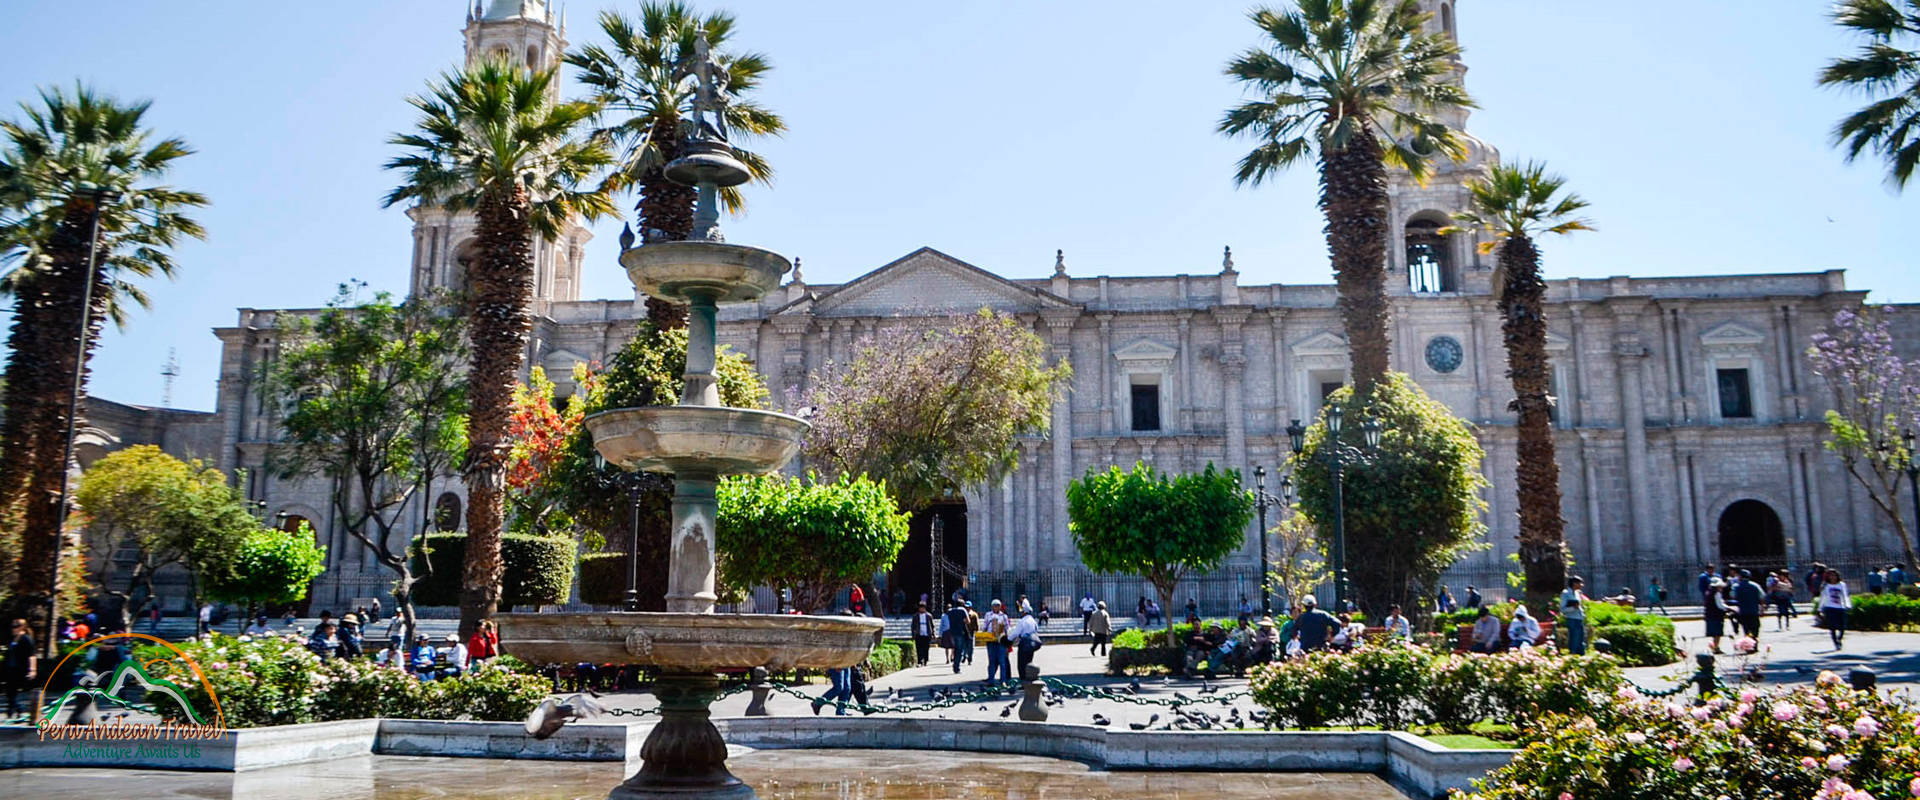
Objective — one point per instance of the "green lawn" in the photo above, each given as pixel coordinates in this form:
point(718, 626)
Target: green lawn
point(1467, 741)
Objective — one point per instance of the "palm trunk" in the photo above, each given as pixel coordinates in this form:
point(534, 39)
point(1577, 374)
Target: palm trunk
point(1353, 196)
point(666, 214)
point(501, 286)
point(1542, 530)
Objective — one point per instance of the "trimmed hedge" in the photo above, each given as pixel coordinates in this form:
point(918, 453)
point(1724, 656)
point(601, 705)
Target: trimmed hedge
point(603, 579)
point(888, 657)
point(1884, 612)
point(539, 569)
point(1121, 659)
point(1400, 687)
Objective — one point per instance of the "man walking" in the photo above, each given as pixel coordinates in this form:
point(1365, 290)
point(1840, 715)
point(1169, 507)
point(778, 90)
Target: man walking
point(1101, 626)
point(922, 634)
point(1086, 614)
point(1573, 611)
point(1656, 596)
point(956, 619)
point(1747, 600)
point(996, 623)
point(1026, 640)
point(21, 667)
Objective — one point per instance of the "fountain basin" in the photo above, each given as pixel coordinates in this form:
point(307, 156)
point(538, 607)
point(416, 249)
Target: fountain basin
point(677, 271)
point(690, 642)
point(694, 441)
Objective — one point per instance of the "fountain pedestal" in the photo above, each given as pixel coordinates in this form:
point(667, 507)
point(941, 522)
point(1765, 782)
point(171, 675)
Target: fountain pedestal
point(684, 757)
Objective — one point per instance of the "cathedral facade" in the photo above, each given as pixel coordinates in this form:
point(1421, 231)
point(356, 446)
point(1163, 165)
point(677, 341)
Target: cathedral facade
point(1688, 426)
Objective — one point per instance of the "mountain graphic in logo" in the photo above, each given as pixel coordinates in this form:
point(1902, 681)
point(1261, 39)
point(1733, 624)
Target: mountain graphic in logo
point(129, 671)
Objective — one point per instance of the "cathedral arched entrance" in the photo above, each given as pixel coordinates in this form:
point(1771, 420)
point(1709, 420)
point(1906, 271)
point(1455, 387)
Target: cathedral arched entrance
point(934, 560)
point(1750, 533)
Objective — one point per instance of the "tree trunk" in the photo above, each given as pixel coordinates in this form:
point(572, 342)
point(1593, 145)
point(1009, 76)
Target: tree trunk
point(666, 214)
point(1353, 196)
point(1165, 587)
point(1524, 327)
point(403, 604)
point(501, 286)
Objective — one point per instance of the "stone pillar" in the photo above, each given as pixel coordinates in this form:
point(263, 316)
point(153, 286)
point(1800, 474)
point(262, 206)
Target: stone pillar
point(1631, 357)
point(1183, 382)
point(1060, 332)
point(1109, 396)
point(1029, 550)
point(1283, 370)
point(1483, 390)
point(1590, 485)
point(1233, 367)
point(690, 580)
point(1691, 539)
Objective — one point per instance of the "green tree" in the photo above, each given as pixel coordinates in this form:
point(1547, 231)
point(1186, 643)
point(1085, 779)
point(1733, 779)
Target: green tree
point(808, 535)
point(492, 141)
point(360, 383)
point(1157, 526)
point(166, 512)
point(1356, 84)
point(54, 157)
point(270, 567)
point(1516, 205)
point(641, 80)
point(1876, 399)
point(1299, 557)
point(539, 569)
point(927, 411)
point(1412, 507)
point(1887, 71)
point(647, 371)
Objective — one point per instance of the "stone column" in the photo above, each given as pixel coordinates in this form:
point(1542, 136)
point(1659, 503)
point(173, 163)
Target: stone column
point(1683, 452)
point(1108, 394)
point(1483, 391)
point(1590, 484)
point(1029, 551)
point(1283, 370)
point(1233, 367)
point(1060, 331)
point(1630, 355)
point(1183, 382)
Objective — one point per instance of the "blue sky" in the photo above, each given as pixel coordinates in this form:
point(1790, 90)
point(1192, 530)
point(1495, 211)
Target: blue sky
point(995, 131)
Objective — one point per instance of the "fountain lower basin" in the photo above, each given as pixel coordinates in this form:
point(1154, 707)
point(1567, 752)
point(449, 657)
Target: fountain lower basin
point(697, 440)
point(690, 642)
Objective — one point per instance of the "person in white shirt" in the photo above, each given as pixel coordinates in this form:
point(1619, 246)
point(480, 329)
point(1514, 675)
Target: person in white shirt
point(259, 627)
point(1834, 602)
point(1524, 630)
point(1026, 639)
point(1399, 629)
point(922, 634)
point(456, 656)
point(997, 623)
point(1086, 614)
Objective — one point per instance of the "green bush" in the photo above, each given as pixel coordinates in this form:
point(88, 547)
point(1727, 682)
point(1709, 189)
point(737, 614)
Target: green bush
point(810, 535)
point(539, 569)
point(603, 578)
point(1401, 687)
point(1884, 612)
point(1136, 638)
point(1467, 616)
point(1824, 741)
point(1120, 660)
point(889, 657)
point(1638, 645)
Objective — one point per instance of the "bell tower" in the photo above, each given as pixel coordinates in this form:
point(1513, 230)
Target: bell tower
point(526, 33)
point(1430, 262)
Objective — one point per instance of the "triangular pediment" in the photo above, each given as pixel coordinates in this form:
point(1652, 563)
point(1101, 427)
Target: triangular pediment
point(1557, 342)
point(1145, 350)
point(929, 282)
point(1324, 343)
point(1731, 333)
point(559, 364)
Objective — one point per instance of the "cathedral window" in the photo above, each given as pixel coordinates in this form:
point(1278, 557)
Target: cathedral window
point(1146, 407)
point(1736, 393)
point(533, 57)
point(1446, 19)
point(1429, 260)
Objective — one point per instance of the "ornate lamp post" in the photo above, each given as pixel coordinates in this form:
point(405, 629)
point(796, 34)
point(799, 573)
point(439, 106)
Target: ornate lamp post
point(630, 481)
point(1336, 457)
point(1261, 500)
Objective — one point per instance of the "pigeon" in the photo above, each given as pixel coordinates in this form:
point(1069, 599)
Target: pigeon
point(1207, 688)
point(547, 717)
point(1183, 698)
point(893, 695)
point(1006, 712)
point(1101, 721)
point(983, 707)
point(1133, 686)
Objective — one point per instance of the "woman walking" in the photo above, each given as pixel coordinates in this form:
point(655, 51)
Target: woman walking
point(1717, 610)
point(1780, 594)
point(1834, 602)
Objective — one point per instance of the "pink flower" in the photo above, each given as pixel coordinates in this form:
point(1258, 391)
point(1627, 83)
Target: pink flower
point(1785, 712)
point(1748, 695)
point(1683, 763)
point(1702, 713)
point(1636, 737)
point(1810, 762)
point(1866, 727)
point(1837, 762)
point(1914, 787)
point(1566, 796)
point(1836, 732)
point(1746, 644)
point(1828, 678)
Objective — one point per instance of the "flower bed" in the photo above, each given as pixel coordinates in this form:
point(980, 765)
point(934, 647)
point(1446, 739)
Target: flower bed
point(1405, 687)
point(1821, 742)
point(275, 680)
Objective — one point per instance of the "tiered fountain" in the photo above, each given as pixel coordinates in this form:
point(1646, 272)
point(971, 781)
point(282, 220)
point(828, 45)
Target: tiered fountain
point(698, 442)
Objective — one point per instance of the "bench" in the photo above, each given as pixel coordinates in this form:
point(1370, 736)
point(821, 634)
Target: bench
point(1464, 642)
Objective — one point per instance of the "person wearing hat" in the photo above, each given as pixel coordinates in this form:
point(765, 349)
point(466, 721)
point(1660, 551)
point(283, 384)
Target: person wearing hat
point(1101, 625)
point(995, 623)
point(1716, 611)
point(456, 654)
point(350, 640)
point(1266, 640)
point(421, 662)
point(259, 627)
point(1315, 626)
point(1524, 630)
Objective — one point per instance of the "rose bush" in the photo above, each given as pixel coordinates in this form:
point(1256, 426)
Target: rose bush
point(1820, 742)
point(1399, 687)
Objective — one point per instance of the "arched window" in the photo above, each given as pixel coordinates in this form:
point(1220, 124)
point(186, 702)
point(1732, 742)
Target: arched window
point(1430, 265)
point(533, 57)
point(502, 53)
point(292, 522)
point(1446, 19)
point(446, 512)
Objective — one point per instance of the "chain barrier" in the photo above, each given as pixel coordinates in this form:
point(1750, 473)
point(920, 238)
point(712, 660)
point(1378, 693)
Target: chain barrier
point(1066, 689)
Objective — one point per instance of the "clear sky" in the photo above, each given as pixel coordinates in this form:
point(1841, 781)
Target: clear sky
point(994, 131)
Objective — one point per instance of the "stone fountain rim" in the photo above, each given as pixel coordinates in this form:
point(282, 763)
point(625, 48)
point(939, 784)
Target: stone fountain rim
point(681, 409)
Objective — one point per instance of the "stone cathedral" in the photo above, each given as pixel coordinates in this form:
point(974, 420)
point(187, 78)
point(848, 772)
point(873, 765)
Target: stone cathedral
point(1688, 423)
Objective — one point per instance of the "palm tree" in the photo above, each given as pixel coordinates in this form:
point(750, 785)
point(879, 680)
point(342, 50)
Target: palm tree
point(639, 78)
point(1356, 84)
point(55, 161)
point(1882, 69)
point(1517, 205)
point(490, 141)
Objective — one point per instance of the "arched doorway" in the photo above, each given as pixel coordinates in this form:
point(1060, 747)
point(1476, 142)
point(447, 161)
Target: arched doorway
point(1750, 533)
point(913, 573)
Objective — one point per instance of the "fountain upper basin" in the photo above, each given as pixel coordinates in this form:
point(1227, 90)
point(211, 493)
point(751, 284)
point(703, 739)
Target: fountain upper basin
point(697, 441)
point(726, 272)
point(690, 642)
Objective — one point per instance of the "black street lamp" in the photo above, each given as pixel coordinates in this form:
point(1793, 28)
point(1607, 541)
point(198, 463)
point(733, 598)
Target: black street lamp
point(632, 482)
point(1261, 500)
point(1913, 479)
point(100, 196)
point(1336, 457)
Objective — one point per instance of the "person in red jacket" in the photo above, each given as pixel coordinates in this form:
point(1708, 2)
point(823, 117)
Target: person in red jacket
point(484, 643)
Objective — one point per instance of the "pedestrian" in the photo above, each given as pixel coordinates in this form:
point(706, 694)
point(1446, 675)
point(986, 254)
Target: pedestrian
point(259, 627)
point(153, 616)
point(1022, 607)
point(841, 691)
point(1877, 580)
point(1656, 596)
point(973, 631)
point(996, 624)
point(349, 631)
point(1101, 626)
point(954, 635)
point(1246, 611)
point(1026, 641)
point(1399, 628)
point(206, 619)
point(1444, 602)
point(1716, 611)
point(1748, 600)
point(1896, 577)
point(1524, 630)
point(1045, 615)
point(373, 612)
point(1573, 613)
point(1140, 611)
point(1486, 632)
point(483, 644)
point(1473, 598)
point(1705, 579)
point(1315, 626)
point(922, 634)
point(1193, 611)
point(21, 667)
point(1087, 606)
point(1780, 596)
point(1834, 602)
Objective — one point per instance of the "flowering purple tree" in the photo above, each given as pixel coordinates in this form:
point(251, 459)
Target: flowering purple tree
point(1876, 397)
point(932, 410)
